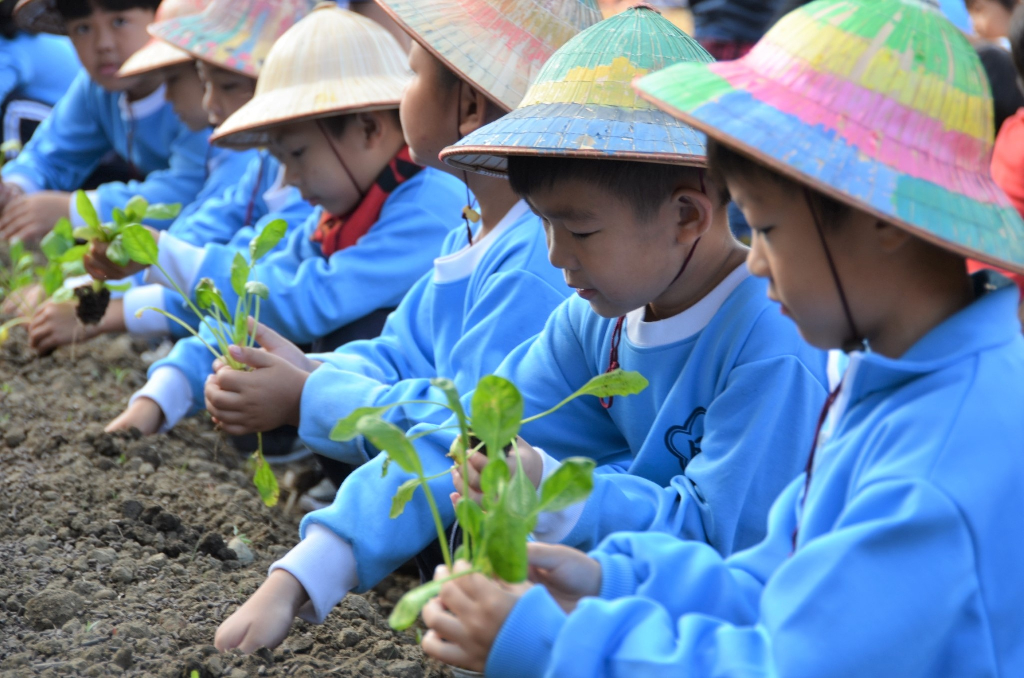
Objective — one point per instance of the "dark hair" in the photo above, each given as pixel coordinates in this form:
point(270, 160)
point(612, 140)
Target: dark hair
point(1016, 38)
point(8, 28)
point(79, 9)
point(643, 185)
point(1008, 5)
point(725, 162)
point(337, 124)
point(1002, 77)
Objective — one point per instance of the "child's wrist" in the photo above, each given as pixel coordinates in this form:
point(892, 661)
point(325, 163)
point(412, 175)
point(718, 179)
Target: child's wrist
point(282, 585)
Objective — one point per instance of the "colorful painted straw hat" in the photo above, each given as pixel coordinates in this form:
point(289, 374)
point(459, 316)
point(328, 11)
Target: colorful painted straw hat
point(330, 63)
point(883, 105)
point(498, 46)
point(39, 16)
point(234, 34)
point(583, 105)
point(156, 53)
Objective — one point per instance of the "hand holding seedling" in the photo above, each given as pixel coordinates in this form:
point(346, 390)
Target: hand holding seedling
point(30, 217)
point(9, 193)
point(567, 573)
point(531, 460)
point(265, 619)
point(56, 324)
point(267, 396)
point(99, 266)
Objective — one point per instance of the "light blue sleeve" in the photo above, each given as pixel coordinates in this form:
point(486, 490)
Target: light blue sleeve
point(510, 307)
point(67, 146)
point(191, 356)
point(214, 216)
point(880, 595)
point(10, 71)
point(180, 182)
point(757, 435)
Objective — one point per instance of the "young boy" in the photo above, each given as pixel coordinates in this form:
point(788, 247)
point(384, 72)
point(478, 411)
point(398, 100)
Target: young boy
point(491, 289)
point(897, 553)
point(380, 218)
point(723, 367)
point(100, 112)
point(991, 19)
point(204, 92)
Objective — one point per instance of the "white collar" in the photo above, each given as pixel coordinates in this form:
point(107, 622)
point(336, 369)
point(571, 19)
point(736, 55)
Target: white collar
point(461, 264)
point(146, 106)
point(685, 324)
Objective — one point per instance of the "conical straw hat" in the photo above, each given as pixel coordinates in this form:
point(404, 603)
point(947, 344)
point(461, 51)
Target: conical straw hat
point(498, 46)
point(39, 16)
point(156, 53)
point(332, 62)
point(234, 34)
point(583, 105)
point(881, 104)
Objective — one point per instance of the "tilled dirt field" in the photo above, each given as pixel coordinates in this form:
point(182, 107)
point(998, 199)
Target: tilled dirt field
point(113, 549)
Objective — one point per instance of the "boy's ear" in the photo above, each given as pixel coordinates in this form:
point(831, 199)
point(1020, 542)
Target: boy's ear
point(474, 108)
point(692, 211)
point(371, 125)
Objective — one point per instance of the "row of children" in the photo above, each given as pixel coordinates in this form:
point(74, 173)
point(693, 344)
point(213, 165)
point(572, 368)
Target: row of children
point(855, 137)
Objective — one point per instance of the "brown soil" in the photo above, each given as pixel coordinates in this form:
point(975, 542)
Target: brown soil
point(112, 548)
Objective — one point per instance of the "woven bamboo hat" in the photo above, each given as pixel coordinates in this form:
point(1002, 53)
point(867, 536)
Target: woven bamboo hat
point(156, 53)
point(881, 104)
point(583, 105)
point(39, 16)
point(498, 46)
point(332, 62)
point(233, 34)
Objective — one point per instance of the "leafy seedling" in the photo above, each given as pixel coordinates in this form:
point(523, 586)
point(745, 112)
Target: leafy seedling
point(496, 530)
point(227, 327)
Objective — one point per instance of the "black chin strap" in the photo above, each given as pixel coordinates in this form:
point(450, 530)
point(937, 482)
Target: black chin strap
point(468, 213)
point(337, 154)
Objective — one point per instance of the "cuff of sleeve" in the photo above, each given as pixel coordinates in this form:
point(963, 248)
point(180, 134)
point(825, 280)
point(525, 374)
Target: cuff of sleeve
point(149, 323)
point(325, 565)
point(180, 259)
point(524, 643)
point(24, 183)
point(76, 218)
point(168, 387)
point(555, 527)
point(617, 577)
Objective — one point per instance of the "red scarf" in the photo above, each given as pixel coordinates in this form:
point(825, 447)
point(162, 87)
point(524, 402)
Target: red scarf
point(335, 233)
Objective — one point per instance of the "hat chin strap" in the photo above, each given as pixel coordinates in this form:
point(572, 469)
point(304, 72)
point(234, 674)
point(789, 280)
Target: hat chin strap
point(341, 161)
point(857, 341)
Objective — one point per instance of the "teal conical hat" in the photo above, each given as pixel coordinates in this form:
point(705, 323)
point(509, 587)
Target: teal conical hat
point(582, 104)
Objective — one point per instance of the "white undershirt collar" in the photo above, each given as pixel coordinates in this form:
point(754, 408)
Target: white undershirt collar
point(686, 324)
point(461, 264)
point(146, 106)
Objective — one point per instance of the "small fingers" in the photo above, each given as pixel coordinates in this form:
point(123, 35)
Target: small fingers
point(443, 651)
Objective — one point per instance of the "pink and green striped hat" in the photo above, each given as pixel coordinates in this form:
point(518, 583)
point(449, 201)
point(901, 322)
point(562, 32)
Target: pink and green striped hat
point(881, 104)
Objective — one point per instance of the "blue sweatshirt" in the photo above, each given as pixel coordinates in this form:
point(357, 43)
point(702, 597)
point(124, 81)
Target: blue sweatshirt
point(87, 123)
point(721, 374)
point(909, 552)
point(311, 295)
point(36, 67)
point(732, 20)
point(458, 322)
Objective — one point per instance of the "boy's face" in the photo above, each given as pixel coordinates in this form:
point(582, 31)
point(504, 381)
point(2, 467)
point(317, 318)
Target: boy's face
point(104, 41)
point(990, 19)
point(185, 92)
point(428, 110)
point(224, 91)
point(615, 261)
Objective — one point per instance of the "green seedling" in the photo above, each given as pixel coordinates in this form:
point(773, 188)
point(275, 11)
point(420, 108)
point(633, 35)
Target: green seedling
point(496, 530)
point(242, 537)
point(226, 327)
point(120, 373)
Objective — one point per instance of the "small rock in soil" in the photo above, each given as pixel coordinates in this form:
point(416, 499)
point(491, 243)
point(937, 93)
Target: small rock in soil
point(52, 609)
point(242, 550)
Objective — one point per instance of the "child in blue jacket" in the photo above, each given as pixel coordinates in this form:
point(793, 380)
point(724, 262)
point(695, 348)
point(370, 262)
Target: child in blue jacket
point(897, 552)
point(380, 218)
point(243, 186)
point(100, 112)
point(661, 289)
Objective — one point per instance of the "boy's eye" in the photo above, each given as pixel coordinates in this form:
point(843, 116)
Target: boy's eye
point(298, 153)
point(118, 21)
point(80, 29)
point(229, 87)
point(581, 236)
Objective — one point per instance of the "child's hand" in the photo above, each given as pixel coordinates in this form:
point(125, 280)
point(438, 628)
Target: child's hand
point(99, 267)
point(265, 619)
point(8, 194)
point(566, 573)
point(24, 301)
point(30, 217)
point(466, 617)
point(144, 414)
point(532, 464)
point(56, 324)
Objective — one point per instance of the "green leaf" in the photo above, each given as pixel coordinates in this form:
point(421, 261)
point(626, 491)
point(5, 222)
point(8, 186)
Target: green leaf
point(403, 496)
point(89, 233)
point(117, 253)
point(265, 481)
point(385, 466)
point(161, 212)
point(387, 437)
point(520, 497)
point(208, 296)
point(613, 384)
point(17, 250)
point(471, 517)
point(52, 279)
point(347, 428)
point(63, 295)
point(120, 218)
point(86, 210)
point(507, 535)
point(74, 254)
point(135, 210)
point(257, 289)
point(493, 480)
point(239, 273)
point(70, 269)
point(118, 287)
point(409, 606)
point(497, 412)
point(57, 242)
point(267, 239)
point(140, 244)
point(240, 331)
point(570, 484)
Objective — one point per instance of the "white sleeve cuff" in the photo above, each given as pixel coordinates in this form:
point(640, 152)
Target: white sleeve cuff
point(76, 218)
point(26, 185)
point(325, 565)
point(554, 527)
point(168, 388)
point(180, 259)
point(150, 323)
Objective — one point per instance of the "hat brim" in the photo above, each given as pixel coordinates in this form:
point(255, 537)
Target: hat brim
point(39, 16)
point(180, 32)
point(156, 54)
point(982, 224)
point(578, 131)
